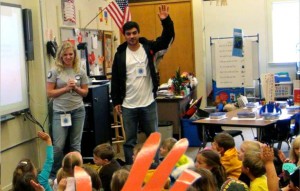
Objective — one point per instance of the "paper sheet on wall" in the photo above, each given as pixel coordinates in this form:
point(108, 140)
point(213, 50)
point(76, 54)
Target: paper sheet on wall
point(68, 12)
point(233, 71)
point(268, 87)
point(94, 40)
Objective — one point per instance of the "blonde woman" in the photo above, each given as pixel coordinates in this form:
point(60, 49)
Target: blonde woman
point(294, 152)
point(67, 84)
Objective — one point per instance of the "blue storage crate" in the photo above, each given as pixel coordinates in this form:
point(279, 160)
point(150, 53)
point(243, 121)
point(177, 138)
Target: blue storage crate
point(190, 131)
point(282, 77)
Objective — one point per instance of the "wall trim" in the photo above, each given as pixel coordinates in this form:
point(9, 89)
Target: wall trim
point(148, 2)
point(18, 144)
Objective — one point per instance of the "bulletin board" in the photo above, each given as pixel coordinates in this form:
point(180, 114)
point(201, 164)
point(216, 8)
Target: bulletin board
point(232, 74)
point(95, 43)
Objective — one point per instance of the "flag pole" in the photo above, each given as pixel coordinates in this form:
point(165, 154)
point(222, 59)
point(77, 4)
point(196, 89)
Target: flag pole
point(93, 19)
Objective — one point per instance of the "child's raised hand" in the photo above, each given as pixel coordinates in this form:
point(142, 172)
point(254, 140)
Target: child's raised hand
point(36, 186)
point(267, 153)
point(44, 136)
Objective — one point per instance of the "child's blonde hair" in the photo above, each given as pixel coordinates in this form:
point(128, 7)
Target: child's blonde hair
point(254, 163)
point(169, 143)
point(60, 175)
point(248, 146)
point(71, 160)
point(295, 145)
point(251, 145)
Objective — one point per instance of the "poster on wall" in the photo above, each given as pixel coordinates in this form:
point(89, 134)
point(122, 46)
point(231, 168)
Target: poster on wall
point(68, 12)
point(108, 51)
point(232, 71)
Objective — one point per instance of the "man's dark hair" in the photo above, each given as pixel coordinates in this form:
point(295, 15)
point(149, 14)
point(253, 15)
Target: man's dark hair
point(129, 25)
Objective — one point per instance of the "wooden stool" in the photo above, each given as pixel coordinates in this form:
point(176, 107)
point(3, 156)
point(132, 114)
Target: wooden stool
point(119, 137)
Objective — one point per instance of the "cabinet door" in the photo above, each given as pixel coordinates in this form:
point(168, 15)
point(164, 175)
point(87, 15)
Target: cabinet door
point(181, 53)
point(97, 126)
point(100, 105)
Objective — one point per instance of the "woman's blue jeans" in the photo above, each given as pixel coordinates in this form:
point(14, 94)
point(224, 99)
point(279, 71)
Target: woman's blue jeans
point(59, 135)
point(133, 118)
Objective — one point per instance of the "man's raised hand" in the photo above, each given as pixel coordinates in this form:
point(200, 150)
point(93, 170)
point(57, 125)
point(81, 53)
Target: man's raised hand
point(163, 11)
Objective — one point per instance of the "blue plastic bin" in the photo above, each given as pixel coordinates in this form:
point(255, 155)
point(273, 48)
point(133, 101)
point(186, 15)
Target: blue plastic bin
point(190, 131)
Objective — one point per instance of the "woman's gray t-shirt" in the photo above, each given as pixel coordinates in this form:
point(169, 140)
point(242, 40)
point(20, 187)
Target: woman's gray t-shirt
point(69, 100)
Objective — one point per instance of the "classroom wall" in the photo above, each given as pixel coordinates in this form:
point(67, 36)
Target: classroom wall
point(18, 135)
point(199, 51)
point(85, 12)
point(249, 15)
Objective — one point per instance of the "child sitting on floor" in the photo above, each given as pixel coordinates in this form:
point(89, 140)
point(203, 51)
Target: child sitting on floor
point(209, 159)
point(225, 145)
point(254, 168)
point(104, 156)
point(26, 171)
point(151, 170)
point(66, 172)
point(205, 182)
point(183, 163)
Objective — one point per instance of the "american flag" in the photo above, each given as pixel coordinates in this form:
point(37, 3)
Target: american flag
point(119, 12)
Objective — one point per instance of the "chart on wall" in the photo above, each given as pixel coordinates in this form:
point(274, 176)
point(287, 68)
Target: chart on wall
point(231, 71)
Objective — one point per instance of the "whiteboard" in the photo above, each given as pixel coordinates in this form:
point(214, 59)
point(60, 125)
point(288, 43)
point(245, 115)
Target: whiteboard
point(13, 66)
point(230, 71)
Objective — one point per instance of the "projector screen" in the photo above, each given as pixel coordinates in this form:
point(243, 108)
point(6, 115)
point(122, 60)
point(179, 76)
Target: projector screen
point(13, 78)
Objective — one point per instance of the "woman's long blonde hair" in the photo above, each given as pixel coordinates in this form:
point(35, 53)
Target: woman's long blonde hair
point(59, 57)
point(295, 144)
